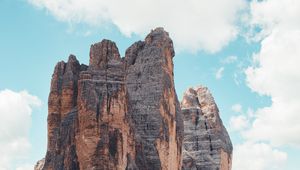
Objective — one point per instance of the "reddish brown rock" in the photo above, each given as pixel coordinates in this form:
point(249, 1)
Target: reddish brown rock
point(102, 54)
point(123, 113)
point(117, 113)
point(104, 139)
point(62, 116)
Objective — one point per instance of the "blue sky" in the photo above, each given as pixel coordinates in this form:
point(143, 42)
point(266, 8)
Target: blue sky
point(236, 65)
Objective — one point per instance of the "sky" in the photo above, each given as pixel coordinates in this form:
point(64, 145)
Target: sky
point(247, 52)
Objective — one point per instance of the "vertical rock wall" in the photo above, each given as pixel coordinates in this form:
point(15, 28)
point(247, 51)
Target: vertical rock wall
point(62, 116)
point(153, 105)
point(104, 138)
point(206, 143)
point(123, 113)
point(116, 113)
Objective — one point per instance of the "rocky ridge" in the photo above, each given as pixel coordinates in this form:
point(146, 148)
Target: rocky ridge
point(123, 113)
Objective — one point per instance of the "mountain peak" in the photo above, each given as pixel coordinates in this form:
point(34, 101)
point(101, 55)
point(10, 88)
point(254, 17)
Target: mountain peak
point(123, 113)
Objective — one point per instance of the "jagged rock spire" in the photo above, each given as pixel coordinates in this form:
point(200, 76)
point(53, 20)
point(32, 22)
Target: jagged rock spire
point(116, 113)
point(123, 113)
point(206, 143)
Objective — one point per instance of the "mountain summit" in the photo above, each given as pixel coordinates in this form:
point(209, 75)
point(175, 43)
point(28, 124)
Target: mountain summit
point(123, 113)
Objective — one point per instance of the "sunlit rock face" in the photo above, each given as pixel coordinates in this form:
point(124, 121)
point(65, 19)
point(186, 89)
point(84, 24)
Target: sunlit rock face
point(123, 113)
point(206, 143)
point(116, 113)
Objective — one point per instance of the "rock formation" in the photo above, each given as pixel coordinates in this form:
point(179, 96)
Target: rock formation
point(116, 113)
point(40, 164)
point(123, 113)
point(206, 143)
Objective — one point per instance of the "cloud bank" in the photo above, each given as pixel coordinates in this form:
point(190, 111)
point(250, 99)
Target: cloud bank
point(257, 156)
point(193, 24)
point(275, 71)
point(15, 113)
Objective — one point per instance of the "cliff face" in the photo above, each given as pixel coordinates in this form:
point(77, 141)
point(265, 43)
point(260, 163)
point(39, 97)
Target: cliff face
point(206, 143)
point(116, 113)
point(123, 113)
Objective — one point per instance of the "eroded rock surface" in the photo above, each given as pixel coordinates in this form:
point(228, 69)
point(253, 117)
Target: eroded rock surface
point(206, 144)
point(40, 164)
point(153, 106)
point(116, 113)
point(123, 113)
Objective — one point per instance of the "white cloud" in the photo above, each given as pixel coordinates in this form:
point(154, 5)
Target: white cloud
point(236, 79)
point(252, 154)
point(15, 113)
point(275, 71)
point(258, 156)
point(219, 73)
point(236, 108)
point(25, 167)
point(193, 24)
point(238, 123)
point(229, 59)
point(270, 14)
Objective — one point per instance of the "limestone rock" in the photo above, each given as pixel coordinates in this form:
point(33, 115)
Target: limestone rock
point(62, 116)
point(206, 143)
point(123, 113)
point(40, 164)
point(104, 138)
point(117, 113)
point(153, 107)
point(103, 53)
